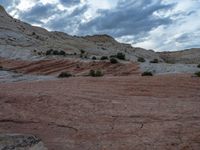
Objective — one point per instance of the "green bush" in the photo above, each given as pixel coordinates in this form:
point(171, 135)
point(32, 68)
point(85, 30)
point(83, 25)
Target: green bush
point(82, 51)
point(147, 73)
point(97, 73)
point(121, 56)
point(113, 61)
point(141, 59)
point(94, 58)
point(104, 58)
point(62, 53)
point(49, 52)
point(55, 52)
point(197, 74)
point(154, 61)
point(92, 73)
point(64, 75)
point(198, 65)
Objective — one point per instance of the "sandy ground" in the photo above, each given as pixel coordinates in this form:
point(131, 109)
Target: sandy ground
point(108, 113)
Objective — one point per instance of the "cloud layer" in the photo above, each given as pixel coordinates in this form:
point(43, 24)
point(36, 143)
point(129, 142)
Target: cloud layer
point(153, 24)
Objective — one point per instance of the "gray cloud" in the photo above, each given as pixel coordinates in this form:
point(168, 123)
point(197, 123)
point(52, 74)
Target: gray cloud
point(152, 24)
point(39, 12)
point(69, 2)
point(130, 17)
point(68, 22)
point(9, 4)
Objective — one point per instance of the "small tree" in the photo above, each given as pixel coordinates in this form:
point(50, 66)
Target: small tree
point(147, 73)
point(82, 51)
point(97, 73)
point(154, 61)
point(197, 74)
point(121, 56)
point(198, 65)
point(56, 52)
point(94, 58)
point(62, 53)
point(64, 75)
point(141, 59)
point(113, 61)
point(104, 58)
point(92, 73)
point(49, 52)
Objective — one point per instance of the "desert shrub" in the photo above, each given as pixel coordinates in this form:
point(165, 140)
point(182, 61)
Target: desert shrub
point(82, 51)
point(113, 60)
point(198, 65)
point(97, 73)
point(62, 53)
point(197, 74)
point(33, 33)
point(104, 58)
point(94, 58)
point(56, 52)
point(49, 52)
point(154, 61)
point(147, 73)
point(64, 75)
point(92, 73)
point(141, 59)
point(121, 56)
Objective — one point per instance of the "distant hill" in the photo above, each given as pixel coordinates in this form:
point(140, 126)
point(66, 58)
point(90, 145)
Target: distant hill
point(188, 56)
point(23, 41)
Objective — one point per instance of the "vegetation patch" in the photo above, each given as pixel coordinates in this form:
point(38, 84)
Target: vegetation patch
point(141, 59)
point(97, 73)
point(121, 56)
point(147, 73)
point(154, 61)
point(64, 75)
point(104, 58)
point(113, 61)
point(1, 67)
point(55, 52)
point(197, 74)
point(94, 58)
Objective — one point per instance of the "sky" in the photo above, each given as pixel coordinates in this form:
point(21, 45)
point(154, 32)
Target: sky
point(161, 25)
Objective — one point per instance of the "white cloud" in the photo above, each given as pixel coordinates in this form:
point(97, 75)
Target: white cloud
point(182, 32)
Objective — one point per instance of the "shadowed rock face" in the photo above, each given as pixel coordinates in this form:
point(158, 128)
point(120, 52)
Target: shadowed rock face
point(20, 142)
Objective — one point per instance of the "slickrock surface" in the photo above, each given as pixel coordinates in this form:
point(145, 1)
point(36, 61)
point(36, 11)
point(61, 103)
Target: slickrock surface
point(108, 113)
point(76, 67)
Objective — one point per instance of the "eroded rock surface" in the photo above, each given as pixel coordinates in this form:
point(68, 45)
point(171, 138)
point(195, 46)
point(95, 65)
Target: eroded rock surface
point(20, 142)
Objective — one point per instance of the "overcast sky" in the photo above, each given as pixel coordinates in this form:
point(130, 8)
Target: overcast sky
point(151, 24)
